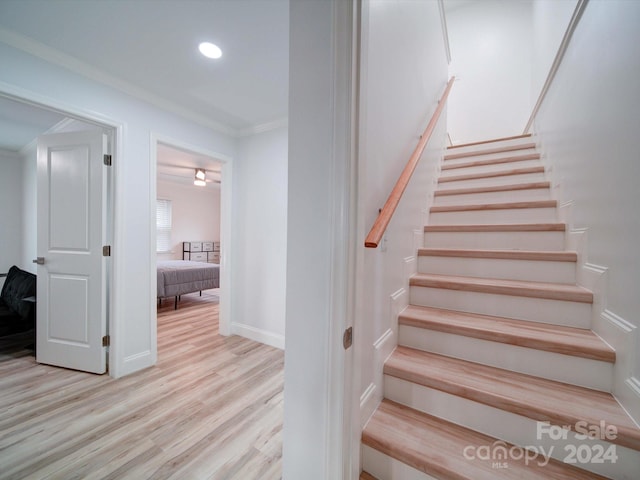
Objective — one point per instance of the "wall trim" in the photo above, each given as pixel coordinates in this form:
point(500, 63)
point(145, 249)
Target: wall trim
point(445, 32)
point(134, 363)
point(258, 335)
point(634, 384)
point(617, 332)
point(631, 399)
point(382, 342)
point(369, 401)
point(263, 127)
point(564, 44)
point(618, 321)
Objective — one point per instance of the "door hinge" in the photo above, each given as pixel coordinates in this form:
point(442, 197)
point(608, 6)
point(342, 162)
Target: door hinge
point(106, 340)
point(347, 338)
point(106, 251)
point(108, 160)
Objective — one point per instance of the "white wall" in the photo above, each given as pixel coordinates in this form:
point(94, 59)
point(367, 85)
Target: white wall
point(588, 125)
point(11, 206)
point(195, 214)
point(403, 74)
point(133, 295)
point(491, 55)
point(260, 214)
point(550, 21)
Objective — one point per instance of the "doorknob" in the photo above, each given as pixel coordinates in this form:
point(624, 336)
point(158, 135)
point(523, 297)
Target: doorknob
point(39, 261)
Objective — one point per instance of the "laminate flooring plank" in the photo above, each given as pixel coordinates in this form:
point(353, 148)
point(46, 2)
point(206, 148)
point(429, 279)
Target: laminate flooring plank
point(211, 408)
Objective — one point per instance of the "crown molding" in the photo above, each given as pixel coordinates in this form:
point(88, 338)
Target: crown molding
point(264, 127)
point(9, 154)
point(51, 55)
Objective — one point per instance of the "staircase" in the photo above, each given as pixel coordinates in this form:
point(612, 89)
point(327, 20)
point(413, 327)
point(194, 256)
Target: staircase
point(495, 352)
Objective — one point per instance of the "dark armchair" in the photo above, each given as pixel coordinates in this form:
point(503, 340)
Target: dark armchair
point(17, 302)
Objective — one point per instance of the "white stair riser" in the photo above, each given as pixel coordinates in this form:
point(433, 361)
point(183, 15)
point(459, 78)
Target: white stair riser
point(497, 167)
point(488, 217)
point(558, 312)
point(493, 145)
point(477, 154)
point(528, 195)
point(496, 240)
point(384, 467)
point(584, 372)
point(507, 426)
point(491, 181)
point(503, 156)
point(507, 269)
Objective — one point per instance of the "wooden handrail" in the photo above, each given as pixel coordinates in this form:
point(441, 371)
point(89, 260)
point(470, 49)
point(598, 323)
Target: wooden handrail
point(381, 223)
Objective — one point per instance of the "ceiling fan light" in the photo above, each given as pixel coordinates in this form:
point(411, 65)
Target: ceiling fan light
point(200, 178)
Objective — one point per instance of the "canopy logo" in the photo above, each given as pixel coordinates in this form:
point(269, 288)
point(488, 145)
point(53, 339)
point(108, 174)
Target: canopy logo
point(589, 447)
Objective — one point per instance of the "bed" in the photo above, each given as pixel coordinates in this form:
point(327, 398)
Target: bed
point(178, 277)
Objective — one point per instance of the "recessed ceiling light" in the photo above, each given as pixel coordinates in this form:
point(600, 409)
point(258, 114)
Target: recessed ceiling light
point(210, 50)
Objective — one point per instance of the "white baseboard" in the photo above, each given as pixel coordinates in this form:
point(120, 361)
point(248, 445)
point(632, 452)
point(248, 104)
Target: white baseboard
point(622, 336)
point(630, 398)
point(369, 401)
point(133, 363)
point(258, 335)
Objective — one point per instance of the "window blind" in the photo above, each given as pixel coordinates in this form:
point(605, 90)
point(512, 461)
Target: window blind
point(163, 225)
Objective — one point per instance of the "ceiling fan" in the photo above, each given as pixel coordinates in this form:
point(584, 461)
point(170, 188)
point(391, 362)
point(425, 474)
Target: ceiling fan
point(201, 176)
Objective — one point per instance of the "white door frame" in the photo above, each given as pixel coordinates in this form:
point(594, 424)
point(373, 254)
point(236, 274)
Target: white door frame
point(225, 229)
point(115, 132)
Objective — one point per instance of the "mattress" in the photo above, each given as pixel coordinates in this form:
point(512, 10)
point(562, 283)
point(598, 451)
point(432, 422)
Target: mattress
point(177, 277)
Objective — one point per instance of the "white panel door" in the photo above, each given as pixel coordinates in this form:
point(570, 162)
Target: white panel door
point(71, 286)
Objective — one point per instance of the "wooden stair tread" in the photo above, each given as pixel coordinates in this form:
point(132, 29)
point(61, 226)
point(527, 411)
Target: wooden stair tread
point(482, 142)
point(490, 151)
point(495, 206)
point(493, 161)
point(493, 188)
point(436, 447)
point(533, 397)
point(576, 342)
point(539, 255)
point(499, 173)
point(367, 476)
point(501, 227)
point(551, 291)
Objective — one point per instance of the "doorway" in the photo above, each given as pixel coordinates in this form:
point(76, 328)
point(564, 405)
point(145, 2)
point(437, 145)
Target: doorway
point(205, 221)
point(29, 120)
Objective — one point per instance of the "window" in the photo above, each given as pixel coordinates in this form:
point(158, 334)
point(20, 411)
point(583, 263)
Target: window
point(163, 225)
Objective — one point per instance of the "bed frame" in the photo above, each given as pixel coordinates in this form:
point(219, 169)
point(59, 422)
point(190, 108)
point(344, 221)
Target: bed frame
point(179, 277)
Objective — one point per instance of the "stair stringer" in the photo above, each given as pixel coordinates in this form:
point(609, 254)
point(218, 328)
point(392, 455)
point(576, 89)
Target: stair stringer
point(620, 334)
point(383, 347)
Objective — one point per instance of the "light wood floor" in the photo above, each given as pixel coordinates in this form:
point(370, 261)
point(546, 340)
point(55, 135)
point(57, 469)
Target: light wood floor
point(210, 409)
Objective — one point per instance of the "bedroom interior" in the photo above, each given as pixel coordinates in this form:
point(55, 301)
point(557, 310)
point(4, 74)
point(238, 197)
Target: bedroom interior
point(188, 222)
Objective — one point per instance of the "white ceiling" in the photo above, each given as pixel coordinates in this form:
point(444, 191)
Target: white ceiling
point(21, 123)
point(149, 48)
